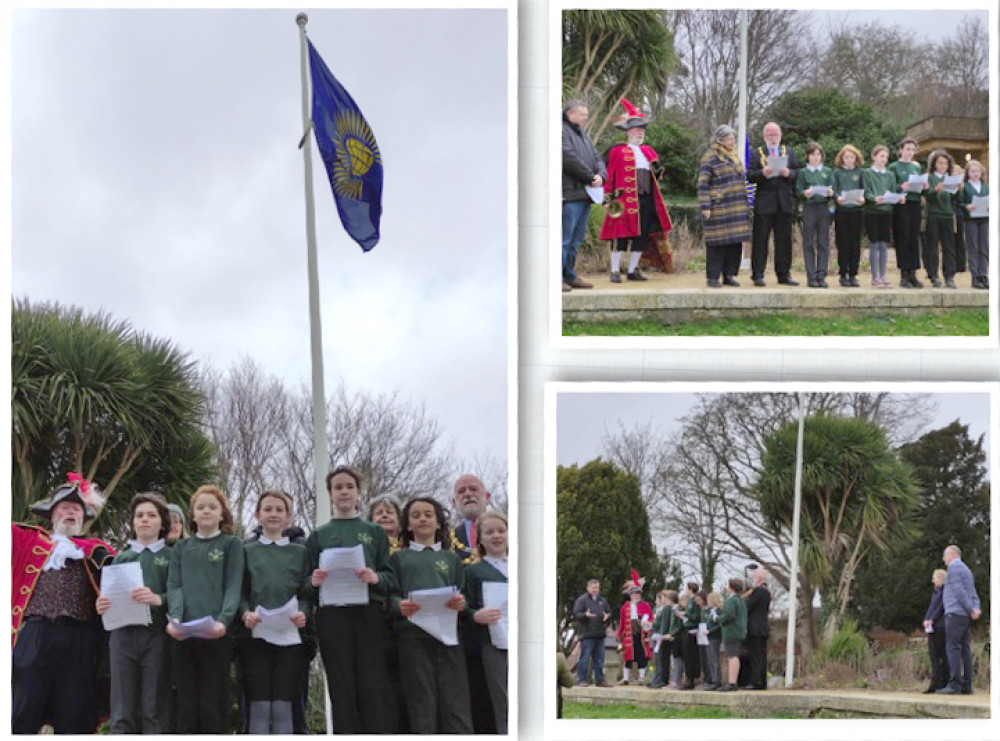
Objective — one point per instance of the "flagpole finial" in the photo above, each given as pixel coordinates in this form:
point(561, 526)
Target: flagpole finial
point(302, 19)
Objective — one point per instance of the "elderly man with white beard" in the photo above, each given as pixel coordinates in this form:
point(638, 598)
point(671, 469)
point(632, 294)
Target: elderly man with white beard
point(470, 498)
point(56, 634)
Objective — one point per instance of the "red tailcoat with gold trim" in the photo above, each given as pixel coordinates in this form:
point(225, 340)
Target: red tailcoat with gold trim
point(625, 630)
point(621, 174)
point(31, 546)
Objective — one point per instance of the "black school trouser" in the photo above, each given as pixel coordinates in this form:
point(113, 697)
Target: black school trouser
point(723, 260)
point(352, 643)
point(780, 224)
point(940, 229)
point(201, 673)
point(757, 661)
point(435, 684)
point(53, 676)
point(905, 234)
point(847, 227)
point(692, 662)
point(135, 653)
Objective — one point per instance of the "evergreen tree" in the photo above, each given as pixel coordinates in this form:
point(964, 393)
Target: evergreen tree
point(894, 589)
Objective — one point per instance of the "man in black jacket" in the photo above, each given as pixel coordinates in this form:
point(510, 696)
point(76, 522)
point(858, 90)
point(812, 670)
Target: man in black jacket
point(591, 613)
point(758, 602)
point(582, 167)
point(774, 205)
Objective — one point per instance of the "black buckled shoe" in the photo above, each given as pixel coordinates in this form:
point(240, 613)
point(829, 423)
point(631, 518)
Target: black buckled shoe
point(636, 275)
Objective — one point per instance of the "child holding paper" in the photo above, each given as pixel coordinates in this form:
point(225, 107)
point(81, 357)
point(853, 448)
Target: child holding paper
point(940, 221)
point(204, 580)
point(435, 680)
point(712, 653)
point(814, 185)
point(276, 572)
point(135, 651)
point(352, 636)
point(906, 215)
point(877, 181)
point(976, 224)
point(848, 217)
point(492, 529)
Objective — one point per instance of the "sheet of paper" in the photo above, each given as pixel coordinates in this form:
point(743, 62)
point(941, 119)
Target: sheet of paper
point(702, 634)
point(777, 164)
point(916, 181)
point(117, 583)
point(820, 190)
point(853, 196)
point(276, 626)
point(980, 206)
point(889, 197)
point(596, 193)
point(656, 640)
point(495, 595)
point(434, 617)
point(952, 183)
point(341, 586)
point(199, 628)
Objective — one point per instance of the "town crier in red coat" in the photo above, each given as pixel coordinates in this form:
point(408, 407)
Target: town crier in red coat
point(640, 211)
point(634, 624)
point(56, 635)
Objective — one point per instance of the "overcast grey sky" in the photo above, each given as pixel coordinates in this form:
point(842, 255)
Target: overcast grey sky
point(930, 25)
point(156, 176)
point(582, 418)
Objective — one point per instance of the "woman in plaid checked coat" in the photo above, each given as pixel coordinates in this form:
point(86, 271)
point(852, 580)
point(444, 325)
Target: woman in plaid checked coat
point(722, 198)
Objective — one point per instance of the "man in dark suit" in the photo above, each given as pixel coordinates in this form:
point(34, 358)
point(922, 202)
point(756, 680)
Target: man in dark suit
point(774, 205)
point(758, 602)
point(471, 497)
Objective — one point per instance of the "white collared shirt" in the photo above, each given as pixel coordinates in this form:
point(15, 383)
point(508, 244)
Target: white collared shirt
point(814, 169)
point(154, 547)
point(500, 564)
point(421, 547)
point(279, 542)
point(634, 610)
point(977, 185)
point(206, 537)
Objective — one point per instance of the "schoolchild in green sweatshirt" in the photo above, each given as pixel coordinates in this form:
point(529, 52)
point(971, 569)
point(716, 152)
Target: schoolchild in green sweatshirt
point(205, 580)
point(435, 679)
point(977, 228)
point(940, 221)
point(733, 619)
point(136, 651)
point(689, 638)
point(848, 217)
point(877, 182)
point(352, 637)
point(713, 671)
point(277, 572)
point(813, 178)
point(906, 215)
point(491, 527)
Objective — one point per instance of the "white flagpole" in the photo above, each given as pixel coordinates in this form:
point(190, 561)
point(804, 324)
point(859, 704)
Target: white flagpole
point(741, 125)
point(320, 455)
point(793, 574)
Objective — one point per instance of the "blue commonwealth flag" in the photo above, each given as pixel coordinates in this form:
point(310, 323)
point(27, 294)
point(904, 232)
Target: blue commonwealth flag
point(350, 154)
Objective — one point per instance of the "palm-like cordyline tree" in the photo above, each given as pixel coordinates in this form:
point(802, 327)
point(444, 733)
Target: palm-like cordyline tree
point(857, 496)
point(611, 53)
point(89, 394)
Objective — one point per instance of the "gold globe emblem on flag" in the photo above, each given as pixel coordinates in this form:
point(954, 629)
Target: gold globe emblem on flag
point(357, 152)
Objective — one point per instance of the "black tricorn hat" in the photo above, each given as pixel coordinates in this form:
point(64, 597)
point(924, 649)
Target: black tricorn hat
point(78, 490)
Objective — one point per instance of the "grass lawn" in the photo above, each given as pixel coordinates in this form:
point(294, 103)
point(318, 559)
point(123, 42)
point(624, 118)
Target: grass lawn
point(588, 710)
point(959, 322)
